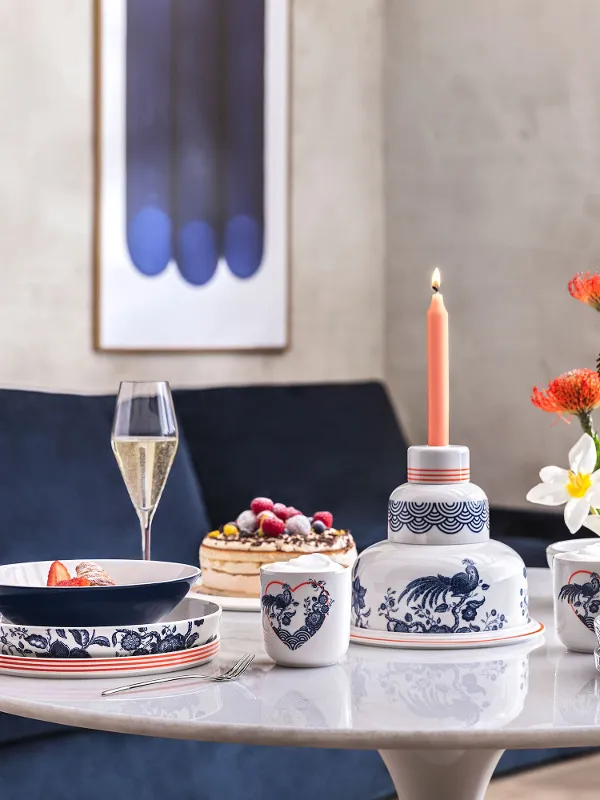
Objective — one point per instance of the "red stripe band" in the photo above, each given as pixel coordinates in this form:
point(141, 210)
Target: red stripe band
point(439, 471)
point(103, 664)
point(91, 663)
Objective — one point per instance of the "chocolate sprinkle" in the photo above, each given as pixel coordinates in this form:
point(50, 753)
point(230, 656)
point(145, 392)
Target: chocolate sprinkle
point(324, 540)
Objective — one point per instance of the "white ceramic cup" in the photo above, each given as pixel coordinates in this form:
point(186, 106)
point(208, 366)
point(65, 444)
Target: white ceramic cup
point(576, 579)
point(568, 546)
point(305, 615)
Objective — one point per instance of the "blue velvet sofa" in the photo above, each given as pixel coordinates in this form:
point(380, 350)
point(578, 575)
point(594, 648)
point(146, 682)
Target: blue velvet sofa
point(335, 446)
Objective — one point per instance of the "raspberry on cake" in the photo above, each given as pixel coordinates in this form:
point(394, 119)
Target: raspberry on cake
point(231, 557)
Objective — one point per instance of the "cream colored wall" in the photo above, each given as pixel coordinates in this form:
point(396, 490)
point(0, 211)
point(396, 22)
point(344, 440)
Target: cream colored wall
point(492, 161)
point(46, 205)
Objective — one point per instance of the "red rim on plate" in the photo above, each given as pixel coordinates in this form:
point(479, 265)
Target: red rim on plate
point(125, 664)
point(455, 641)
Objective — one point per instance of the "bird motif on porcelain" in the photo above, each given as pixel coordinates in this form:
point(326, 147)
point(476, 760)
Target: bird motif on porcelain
point(583, 595)
point(436, 604)
point(281, 608)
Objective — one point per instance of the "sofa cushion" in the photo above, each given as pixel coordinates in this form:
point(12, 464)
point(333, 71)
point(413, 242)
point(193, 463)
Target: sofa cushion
point(336, 447)
point(62, 492)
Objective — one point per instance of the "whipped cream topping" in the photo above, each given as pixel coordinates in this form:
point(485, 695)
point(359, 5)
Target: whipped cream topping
point(589, 553)
point(313, 562)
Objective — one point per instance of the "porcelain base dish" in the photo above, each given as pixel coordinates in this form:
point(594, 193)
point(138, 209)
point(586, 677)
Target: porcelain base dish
point(145, 592)
point(109, 667)
point(193, 623)
point(427, 641)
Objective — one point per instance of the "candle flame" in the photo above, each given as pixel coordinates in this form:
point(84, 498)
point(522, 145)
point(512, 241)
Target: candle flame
point(435, 280)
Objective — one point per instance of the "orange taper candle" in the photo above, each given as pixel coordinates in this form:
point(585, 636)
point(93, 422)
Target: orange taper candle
point(437, 367)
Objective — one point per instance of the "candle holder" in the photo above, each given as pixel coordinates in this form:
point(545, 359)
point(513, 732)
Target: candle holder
point(439, 581)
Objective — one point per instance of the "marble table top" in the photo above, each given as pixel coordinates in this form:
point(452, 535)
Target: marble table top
point(533, 694)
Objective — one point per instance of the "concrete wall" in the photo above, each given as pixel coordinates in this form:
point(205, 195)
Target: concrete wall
point(46, 204)
point(492, 154)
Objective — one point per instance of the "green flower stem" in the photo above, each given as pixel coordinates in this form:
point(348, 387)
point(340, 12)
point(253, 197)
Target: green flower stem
point(587, 425)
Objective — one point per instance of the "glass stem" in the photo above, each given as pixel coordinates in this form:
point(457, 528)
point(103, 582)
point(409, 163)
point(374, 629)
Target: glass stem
point(146, 524)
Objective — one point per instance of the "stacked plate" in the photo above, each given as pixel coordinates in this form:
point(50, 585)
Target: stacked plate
point(143, 625)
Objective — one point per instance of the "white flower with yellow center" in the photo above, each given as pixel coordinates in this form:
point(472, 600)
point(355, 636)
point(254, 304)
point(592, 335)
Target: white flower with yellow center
point(578, 486)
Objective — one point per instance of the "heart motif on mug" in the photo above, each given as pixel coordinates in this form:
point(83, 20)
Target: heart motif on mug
point(282, 610)
point(582, 592)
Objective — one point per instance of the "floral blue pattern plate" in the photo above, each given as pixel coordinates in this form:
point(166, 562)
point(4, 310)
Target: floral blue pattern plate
point(194, 623)
point(434, 641)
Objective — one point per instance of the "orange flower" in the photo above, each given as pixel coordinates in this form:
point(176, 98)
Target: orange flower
point(586, 287)
point(575, 392)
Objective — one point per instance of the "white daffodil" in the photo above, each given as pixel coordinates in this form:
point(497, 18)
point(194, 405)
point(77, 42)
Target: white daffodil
point(578, 486)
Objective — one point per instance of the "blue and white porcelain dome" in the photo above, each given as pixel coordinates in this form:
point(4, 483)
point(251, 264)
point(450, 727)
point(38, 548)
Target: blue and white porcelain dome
point(439, 573)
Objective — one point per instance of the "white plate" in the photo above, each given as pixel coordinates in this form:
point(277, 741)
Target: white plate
point(228, 603)
point(432, 641)
point(108, 667)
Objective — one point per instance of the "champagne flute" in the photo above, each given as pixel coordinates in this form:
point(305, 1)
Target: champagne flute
point(144, 440)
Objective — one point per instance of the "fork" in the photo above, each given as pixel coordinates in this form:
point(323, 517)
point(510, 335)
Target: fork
point(231, 675)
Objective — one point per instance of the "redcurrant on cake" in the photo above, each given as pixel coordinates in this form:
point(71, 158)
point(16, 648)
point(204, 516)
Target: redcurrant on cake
point(231, 557)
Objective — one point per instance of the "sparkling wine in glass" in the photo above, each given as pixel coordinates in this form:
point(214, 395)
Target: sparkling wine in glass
point(144, 441)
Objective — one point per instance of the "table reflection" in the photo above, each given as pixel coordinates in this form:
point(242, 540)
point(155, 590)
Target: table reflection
point(437, 690)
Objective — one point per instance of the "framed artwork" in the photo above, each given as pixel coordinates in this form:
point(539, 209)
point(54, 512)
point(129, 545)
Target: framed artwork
point(191, 227)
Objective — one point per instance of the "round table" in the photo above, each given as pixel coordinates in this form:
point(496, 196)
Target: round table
point(440, 719)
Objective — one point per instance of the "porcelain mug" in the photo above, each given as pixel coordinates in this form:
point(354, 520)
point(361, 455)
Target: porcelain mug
point(576, 578)
point(305, 615)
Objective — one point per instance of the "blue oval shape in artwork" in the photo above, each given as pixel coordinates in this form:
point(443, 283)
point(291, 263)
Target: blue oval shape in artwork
point(244, 110)
point(148, 134)
point(197, 252)
point(243, 245)
point(149, 240)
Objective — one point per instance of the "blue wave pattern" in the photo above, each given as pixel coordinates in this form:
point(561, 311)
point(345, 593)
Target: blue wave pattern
point(450, 518)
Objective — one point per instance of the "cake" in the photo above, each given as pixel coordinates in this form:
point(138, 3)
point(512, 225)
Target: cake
point(231, 557)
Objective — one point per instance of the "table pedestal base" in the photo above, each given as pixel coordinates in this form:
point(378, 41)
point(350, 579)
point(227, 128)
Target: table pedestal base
point(441, 774)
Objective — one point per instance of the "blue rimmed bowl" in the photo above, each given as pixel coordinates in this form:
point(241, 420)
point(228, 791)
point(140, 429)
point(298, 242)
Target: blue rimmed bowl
point(144, 593)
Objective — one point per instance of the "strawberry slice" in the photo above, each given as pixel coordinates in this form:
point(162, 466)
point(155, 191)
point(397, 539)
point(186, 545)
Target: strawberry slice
point(74, 582)
point(58, 572)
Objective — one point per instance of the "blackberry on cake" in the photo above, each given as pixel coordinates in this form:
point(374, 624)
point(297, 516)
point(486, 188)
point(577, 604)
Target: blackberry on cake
point(267, 532)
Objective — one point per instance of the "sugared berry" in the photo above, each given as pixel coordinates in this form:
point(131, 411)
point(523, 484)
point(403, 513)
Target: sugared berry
point(74, 582)
point(261, 504)
point(318, 526)
point(272, 526)
point(292, 512)
point(325, 517)
point(281, 511)
point(247, 521)
point(263, 514)
point(298, 525)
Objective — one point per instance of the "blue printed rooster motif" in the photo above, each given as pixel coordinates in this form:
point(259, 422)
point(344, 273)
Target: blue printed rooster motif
point(584, 599)
point(433, 599)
